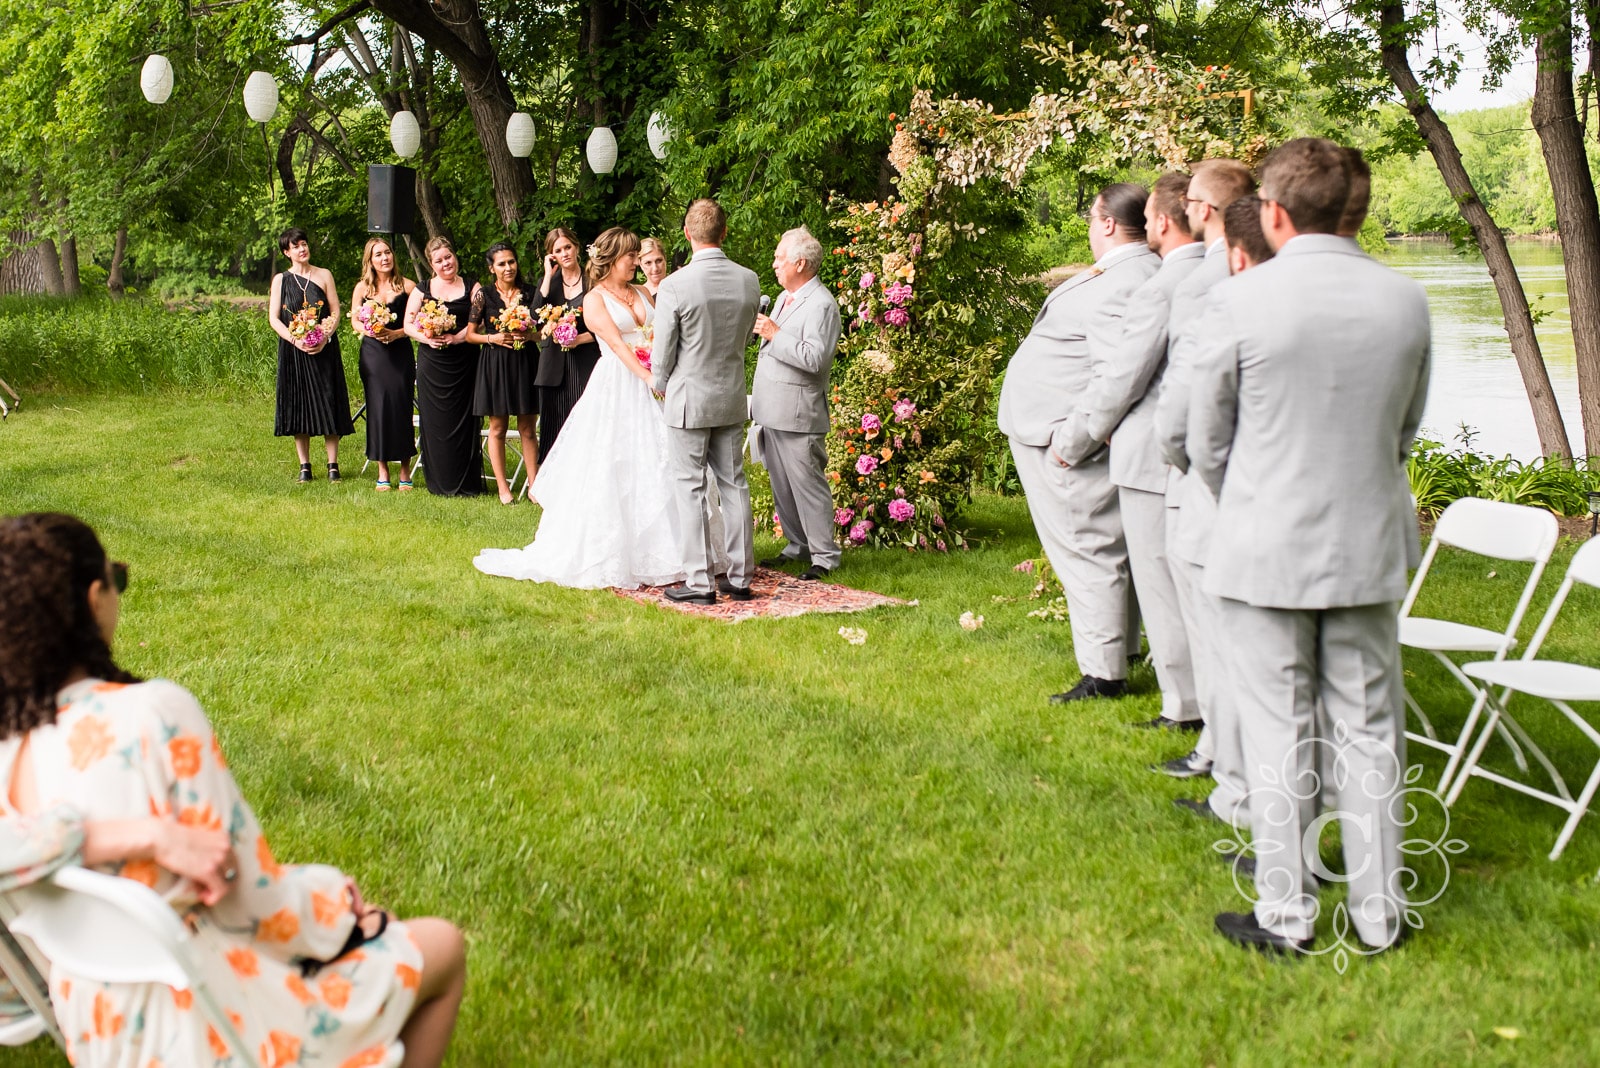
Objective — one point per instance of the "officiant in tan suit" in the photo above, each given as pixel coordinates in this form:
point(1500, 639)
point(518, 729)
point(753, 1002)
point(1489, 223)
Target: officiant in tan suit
point(1306, 396)
point(1074, 505)
point(789, 401)
point(1119, 408)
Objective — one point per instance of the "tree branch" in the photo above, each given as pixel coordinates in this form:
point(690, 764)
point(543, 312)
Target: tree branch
point(327, 27)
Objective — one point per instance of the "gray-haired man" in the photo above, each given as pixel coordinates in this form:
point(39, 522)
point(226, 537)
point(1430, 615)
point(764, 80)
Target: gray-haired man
point(789, 400)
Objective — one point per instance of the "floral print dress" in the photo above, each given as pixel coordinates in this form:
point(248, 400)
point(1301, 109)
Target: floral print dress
point(123, 752)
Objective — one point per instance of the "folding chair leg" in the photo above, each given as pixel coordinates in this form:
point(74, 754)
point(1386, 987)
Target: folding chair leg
point(1459, 749)
point(1464, 773)
point(30, 986)
point(1579, 808)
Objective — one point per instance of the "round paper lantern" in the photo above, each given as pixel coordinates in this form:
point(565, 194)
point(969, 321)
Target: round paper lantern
point(658, 133)
point(602, 150)
point(404, 134)
point(155, 80)
point(261, 96)
point(519, 134)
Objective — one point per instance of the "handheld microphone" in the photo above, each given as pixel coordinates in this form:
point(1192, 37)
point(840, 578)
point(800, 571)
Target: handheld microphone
point(766, 302)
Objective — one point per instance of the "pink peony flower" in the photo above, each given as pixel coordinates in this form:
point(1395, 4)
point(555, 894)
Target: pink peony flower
point(896, 317)
point(904, 409)
point(866, 465)
point(871, 422)
point(939, 545)
point(565, 335)
point(1026, 567)
point(867, 280)
point(898, 293)
point(842, 516)
point(938, 520)
point(901, 510)
point(858, 533)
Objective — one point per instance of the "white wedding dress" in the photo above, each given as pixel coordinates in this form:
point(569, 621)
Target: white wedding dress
point(607, 511)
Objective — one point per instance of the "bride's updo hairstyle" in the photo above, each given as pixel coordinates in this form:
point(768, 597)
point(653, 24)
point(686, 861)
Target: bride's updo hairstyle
point(48, 630)
point(607, 249)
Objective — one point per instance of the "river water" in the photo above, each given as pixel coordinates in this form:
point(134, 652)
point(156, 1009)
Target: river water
point(1475, 379)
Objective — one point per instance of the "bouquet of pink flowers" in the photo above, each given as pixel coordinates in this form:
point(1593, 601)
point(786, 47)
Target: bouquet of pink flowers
point(559, 323)
point(646, 347)
point(371, 317)
point(434, 319)
point(308, 327)
point(516, 320)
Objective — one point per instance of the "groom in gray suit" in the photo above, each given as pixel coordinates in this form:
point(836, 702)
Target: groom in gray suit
point(1074, 505)
point(1307, 391)
point(789, 401)
point(703, 318)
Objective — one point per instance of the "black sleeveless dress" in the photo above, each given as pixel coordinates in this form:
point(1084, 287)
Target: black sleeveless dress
point(313, 400)
point(452, 445)
point(389, 376)
point(563, 373)
point(505, 376)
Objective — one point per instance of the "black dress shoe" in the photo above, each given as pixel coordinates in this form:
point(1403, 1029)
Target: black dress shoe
point(1201, 809)
point(305, 473)
point(684, 595)
point(782, 561)
point(1165, 724)
point(1241, 864)
point(333, 473)
point(1241, 929)
point(815, 572)
point(732, 592)
point(1189, 766)
point(1088, 687)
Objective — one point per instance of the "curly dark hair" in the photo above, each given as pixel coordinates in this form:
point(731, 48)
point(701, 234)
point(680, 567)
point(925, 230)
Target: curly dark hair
point(48, 561)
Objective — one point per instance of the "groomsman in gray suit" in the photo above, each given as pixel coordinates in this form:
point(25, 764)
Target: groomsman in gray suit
point(1190, 506)
point(1119, 407)
point(1074, 505)
point(789, 401)
point(703, 318)
point(1307, 394)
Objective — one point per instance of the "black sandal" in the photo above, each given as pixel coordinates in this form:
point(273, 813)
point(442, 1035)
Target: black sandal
point(305, 473)
point(333, 473)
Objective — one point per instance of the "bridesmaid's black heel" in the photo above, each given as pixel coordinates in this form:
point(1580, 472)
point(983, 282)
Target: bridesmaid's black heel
point(305, 473)
point(333, 473)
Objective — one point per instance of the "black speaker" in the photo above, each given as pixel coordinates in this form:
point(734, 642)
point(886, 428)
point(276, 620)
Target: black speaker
point(391, 199)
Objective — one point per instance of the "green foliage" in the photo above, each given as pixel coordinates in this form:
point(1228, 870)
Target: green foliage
point(1440, 475)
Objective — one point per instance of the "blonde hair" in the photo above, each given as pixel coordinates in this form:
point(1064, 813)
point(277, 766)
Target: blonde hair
point(706, 222)
point(369, 273)
point(435, 245)
point(607, 249)
point(651, 243)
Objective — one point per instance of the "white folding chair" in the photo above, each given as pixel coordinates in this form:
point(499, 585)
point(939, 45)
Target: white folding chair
point(28, 981)
point(1511, 532)
point(16, 400)
point(114, 930)
point(1555, 681)
point(513, 444)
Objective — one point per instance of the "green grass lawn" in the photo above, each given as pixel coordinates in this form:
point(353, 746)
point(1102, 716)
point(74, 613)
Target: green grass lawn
point(678, 841)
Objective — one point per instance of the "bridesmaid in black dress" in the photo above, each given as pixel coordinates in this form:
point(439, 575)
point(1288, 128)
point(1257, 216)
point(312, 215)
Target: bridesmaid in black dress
point(388, 365)
point(506, 370)
point(447, 372)
point(563, 373)
point(312, 396)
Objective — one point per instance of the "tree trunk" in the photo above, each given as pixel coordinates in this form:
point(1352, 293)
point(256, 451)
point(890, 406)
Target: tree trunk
point(1513, 301)
point(456, 29)
point(115, 284)
point(71, 285)
point(1555, 117)
point(20, 271)
point(50, 267)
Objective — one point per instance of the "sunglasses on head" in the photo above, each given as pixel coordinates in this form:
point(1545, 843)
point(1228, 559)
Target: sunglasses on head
point(119, 576)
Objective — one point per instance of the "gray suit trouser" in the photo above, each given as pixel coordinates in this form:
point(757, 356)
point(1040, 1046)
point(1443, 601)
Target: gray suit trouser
point(1220, 741)
point(798, 467)
point(1075, 514)
point(1284, 660)
point(689, 453)
point(1144, 524)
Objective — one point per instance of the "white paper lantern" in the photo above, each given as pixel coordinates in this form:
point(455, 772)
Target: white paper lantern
point(602, 150)
point(659, 134)
point(404, 134)
point(261, 96)
point(519, 134)
point(155, 80)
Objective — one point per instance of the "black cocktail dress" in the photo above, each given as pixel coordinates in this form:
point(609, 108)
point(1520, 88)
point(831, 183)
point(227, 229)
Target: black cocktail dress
point(563, 373)
point(313, 400)
point(452, 445)
point(389, 377)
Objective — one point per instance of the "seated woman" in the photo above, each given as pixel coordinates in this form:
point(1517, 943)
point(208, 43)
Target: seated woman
point(306, 971)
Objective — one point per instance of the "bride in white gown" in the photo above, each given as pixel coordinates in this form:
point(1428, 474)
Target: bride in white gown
point(607, 517)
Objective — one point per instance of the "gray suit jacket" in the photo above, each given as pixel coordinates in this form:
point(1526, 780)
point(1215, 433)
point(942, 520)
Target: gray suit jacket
point(1119, 405)
point(703, 318)
point(791, 385)
point(1308, 389)
point(1078, 328)
point(1172, 406)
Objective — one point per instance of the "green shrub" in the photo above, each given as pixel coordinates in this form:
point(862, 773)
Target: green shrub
point(1440, 475)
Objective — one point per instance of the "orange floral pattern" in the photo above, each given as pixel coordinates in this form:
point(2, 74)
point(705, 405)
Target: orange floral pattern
point(281, 926)
point(366, 1058)
point(335, 990)
point(88, 742)
point(185, 751)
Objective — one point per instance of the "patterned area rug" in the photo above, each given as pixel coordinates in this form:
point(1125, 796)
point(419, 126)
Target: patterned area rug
point(777, 596)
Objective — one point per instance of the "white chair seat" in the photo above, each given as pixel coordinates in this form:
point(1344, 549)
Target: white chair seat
point(21, 1031)
point(1553, 680)
point(1442, 635)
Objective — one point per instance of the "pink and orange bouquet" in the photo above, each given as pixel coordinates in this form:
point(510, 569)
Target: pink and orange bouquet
point(646, 348)
point(371, 317)
point(516, 320)
point(434, 320)
point(560, 324)
point(308, 327)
